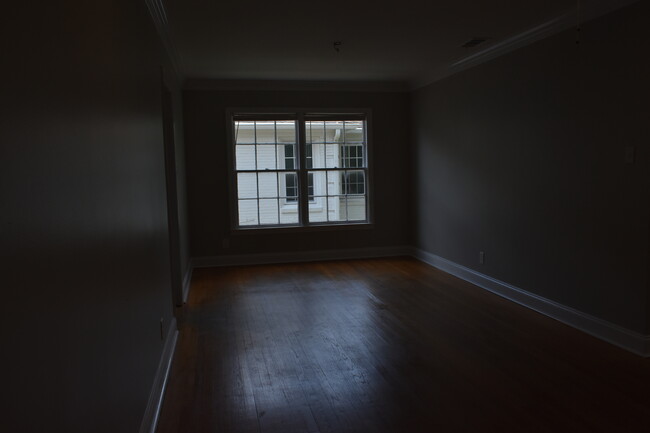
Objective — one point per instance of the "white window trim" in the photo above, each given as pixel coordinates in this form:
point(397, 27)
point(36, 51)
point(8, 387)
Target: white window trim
point(299, 115)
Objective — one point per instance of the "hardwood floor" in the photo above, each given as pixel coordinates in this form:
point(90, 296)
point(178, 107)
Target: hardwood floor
point(387, 345)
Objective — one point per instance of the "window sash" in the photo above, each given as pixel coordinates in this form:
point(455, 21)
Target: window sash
point(352, 157)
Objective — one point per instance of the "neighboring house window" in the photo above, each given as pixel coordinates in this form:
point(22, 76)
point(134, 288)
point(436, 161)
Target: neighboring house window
point(352, 155)
point(353, 183)
point(310, 186)
point(274, 154)
point(291, 187)
point(291, 181)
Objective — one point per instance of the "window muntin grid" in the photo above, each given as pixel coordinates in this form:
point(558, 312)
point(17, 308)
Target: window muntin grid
point(329, 149)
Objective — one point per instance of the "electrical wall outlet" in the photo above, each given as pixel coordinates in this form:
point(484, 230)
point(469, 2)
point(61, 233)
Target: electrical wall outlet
point(481, 257)
point(162, 322)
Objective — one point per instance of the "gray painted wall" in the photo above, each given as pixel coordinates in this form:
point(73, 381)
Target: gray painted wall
point(83, 227)
point(181, 178)
point(207, 170)
point(524, 158)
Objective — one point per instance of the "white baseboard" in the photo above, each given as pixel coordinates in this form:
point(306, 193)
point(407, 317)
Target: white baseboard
point(612, 333)
point(300, 256)
point(187, 280)
point(152, 413)
point(630, 340)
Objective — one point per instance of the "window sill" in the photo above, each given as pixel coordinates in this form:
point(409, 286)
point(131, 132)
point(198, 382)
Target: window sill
point(313, 228)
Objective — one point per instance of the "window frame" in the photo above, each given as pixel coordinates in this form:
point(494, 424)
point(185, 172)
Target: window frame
point(300, 116)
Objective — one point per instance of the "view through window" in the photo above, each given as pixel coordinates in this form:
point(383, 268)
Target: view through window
point(300, 169)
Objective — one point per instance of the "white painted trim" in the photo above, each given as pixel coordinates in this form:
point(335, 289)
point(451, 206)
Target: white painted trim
point(300, 256)
point(295, 85)
point(187, 281)
point(617, 335)
point(152, 413)
point(159, 16)
point(609, 332)
point(556, 25)
point(510, 44)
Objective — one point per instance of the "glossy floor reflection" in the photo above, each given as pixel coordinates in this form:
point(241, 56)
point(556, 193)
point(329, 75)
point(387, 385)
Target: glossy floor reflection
point(387, 345)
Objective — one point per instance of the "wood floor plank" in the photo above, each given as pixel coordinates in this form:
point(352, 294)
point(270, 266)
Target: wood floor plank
point(387, 345)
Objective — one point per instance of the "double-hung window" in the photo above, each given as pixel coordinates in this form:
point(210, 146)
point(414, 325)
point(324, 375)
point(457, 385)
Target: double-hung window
point(299, 169)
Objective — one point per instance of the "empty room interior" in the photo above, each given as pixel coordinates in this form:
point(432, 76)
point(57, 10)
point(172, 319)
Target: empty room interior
point(302, 217)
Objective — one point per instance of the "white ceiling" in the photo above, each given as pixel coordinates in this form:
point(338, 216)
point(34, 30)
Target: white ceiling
point(407, 41)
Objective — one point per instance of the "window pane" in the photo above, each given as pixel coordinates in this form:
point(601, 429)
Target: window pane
point(246, 185)
point(356, 208)
point(318, 182)
point(244, 132)
point(315, 132)
point(310, 186)
point(353, 182)
point(316, 153)
point(285, 131)
point(268, 197)
point(318, 210)
point(248, 212)
point(309, 159)
point(334, 182)
point(289, 214)
point(245, 157)
point(265, 132)
point(333, 131)
point(269, 211)
point(315, 144)
point(352, 156)
point(332, 157)
point(288, 157)
point(354, 132)
point(266, 158)
point(337, 210)
point(268, 185)
point(290, 187)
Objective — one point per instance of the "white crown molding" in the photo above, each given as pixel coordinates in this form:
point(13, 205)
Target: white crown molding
point(152, 413)
point(295, 85)
point(300, 256)
point(159, 16)
point(589, 11)
point(510, 44)
point(604, 330)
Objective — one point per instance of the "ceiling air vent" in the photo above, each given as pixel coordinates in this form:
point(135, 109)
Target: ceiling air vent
point(474, 42)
